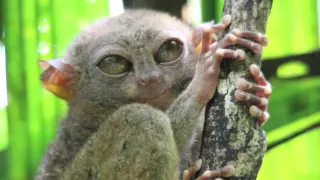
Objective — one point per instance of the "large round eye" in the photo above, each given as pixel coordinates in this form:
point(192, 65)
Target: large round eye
point(169, 51)
point(114, 65)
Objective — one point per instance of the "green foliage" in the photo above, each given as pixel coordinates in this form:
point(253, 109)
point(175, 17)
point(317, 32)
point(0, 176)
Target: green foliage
point(292, 69)
point(211, 10)
point(292, 28)
point(296, 159)
point(37, 29)
point(292, 100)
point(3, 130)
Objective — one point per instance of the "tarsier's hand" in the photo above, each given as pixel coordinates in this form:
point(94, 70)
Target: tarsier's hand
point(257, 95)
point(213, 52)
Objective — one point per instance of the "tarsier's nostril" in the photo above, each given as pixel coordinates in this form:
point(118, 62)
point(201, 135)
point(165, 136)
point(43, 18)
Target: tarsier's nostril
point(152, 78)
point(142, 81)
point(155, 78)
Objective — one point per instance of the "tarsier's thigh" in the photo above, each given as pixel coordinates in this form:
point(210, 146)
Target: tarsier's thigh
point(135, 143)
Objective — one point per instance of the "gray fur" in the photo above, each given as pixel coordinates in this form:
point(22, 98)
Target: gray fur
point(103, 136)
point(129, 145)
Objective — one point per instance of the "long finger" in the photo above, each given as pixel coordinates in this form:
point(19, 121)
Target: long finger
point(244, 85)
point(262, 116)
point(253, 46)
point(258, 76)
point(187, 174)
point(221, 54)
point(254, 36)
point(226, 171)
point(197, 37)
point(222, 25)
point(206, 40)
point(231, 39)
point(232, 54)
point(203, 32)
point(251, 99)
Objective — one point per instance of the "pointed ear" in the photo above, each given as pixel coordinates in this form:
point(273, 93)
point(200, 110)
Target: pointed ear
point(56, 77)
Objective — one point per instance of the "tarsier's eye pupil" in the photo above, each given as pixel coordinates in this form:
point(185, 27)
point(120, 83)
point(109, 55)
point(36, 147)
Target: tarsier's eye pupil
point(114, 65)
point(169, 51)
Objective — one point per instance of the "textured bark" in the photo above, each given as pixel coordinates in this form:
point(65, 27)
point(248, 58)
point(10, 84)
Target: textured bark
point(230, 135)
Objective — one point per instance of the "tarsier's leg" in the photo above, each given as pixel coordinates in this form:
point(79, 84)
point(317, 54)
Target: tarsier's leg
point(136, 142)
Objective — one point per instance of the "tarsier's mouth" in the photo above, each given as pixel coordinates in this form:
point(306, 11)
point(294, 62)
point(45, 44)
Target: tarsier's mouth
point(152, 96)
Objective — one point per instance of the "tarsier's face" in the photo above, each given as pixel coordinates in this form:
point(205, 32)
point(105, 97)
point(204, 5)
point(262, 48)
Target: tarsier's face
point(145, 57)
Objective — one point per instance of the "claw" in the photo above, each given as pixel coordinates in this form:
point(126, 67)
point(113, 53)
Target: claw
point(187, 174)
point(226, 171)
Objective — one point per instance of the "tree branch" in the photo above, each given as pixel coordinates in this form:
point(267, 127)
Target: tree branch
point(230, 135)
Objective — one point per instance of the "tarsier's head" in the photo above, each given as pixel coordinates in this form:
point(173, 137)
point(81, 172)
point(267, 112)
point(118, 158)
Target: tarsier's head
point(138, 56)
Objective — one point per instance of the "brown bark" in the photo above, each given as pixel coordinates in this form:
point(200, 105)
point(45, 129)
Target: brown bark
point(230, 135)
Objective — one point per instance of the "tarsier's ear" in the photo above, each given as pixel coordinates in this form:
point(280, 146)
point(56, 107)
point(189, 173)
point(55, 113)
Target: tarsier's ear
point(56, 77)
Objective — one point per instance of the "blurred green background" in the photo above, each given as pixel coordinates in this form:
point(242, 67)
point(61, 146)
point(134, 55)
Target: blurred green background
point(41, 29)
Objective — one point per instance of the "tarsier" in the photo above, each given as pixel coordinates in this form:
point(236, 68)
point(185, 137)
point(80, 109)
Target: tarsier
point(136, 85)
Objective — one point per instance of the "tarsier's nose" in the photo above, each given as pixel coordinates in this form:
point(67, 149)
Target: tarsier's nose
point(149, 78)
